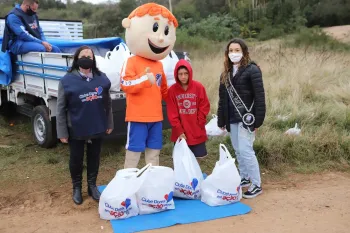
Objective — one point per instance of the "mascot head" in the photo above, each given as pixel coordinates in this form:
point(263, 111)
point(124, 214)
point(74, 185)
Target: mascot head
point(150, 31)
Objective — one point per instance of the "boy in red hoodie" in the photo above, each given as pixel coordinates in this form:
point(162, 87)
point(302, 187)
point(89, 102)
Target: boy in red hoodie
point(188, 107)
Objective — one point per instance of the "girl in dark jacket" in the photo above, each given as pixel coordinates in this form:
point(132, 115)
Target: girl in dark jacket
point(241, 110)
point(84, 116)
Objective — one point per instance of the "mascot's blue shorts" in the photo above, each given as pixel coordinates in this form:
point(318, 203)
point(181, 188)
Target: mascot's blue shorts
point(144, 135)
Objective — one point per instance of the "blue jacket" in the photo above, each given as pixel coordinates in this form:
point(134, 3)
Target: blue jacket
point(17, 22)
point(84, 108)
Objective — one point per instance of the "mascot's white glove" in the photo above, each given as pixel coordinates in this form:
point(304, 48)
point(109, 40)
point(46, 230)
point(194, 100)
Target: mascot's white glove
point(150, 76)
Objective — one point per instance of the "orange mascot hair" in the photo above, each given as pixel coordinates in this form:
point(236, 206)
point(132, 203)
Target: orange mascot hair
point(154, 9)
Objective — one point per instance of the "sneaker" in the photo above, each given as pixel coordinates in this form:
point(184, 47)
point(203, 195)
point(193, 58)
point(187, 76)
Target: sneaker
point(245, 182)
point(253, 191)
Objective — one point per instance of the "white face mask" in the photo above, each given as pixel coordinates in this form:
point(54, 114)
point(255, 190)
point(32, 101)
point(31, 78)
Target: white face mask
point(235, 57)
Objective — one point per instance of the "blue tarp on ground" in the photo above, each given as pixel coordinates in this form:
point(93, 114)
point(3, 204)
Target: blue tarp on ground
point(100, 46)
point(185, 212)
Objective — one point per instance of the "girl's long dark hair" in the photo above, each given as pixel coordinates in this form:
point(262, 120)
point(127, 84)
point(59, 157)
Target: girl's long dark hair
point(76, 57)
point(228, 65)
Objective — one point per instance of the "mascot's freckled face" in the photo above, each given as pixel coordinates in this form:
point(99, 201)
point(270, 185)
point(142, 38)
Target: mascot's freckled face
point(151, 37)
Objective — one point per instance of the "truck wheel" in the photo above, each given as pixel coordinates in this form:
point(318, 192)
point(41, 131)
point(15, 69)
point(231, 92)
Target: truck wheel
point(43, 130)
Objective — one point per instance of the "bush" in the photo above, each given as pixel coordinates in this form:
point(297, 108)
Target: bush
point(185, 41)
point(215, 27)
point(270, 32)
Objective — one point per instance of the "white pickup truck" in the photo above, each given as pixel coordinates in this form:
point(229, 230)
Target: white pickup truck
point(32, 89)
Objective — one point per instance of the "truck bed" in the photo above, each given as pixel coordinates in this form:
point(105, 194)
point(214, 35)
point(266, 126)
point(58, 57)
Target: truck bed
point(38, 75)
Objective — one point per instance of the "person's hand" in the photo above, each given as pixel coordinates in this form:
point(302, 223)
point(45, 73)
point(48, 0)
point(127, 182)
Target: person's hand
point(109, 131)
point(150, 75)
point(182, 136)
point(64, 140)
point(47, 46)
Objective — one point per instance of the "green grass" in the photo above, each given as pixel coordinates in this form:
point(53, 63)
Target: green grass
point(304, 84)
point(276, 153)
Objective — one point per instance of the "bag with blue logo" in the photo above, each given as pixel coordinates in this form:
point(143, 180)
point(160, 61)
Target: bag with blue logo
point(118, 199)
point(188, 174)
point(223, 186)
point(156, 193)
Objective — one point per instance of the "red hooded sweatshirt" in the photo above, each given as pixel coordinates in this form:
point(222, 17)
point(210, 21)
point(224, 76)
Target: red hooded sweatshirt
point(188, 109)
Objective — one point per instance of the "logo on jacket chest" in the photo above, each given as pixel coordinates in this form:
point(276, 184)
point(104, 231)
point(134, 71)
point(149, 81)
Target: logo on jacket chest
point(159, 79)
point(92, 95)
point(34, 25)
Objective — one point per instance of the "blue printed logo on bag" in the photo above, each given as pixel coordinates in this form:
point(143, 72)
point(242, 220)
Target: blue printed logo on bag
point(188, 190)
point(158, 204)
point(229, 197)
point(119, 212)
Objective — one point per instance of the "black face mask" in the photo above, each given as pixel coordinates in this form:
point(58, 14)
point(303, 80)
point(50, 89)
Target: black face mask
point(85, 63)
point(30, 12)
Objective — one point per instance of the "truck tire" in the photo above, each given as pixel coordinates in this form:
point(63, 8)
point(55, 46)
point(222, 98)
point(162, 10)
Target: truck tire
point(43, 130)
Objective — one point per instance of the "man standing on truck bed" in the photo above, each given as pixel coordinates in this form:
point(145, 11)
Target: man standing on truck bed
point(23, 33)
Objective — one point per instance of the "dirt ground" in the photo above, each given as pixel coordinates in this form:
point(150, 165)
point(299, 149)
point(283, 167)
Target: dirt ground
point(341, 33)
point(300, 203)
point(317, 203)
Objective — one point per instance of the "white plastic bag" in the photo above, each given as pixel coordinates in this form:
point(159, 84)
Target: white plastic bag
point(293, 131)
point(212, 127)
point(156, 193)
point(188, 174)
point(112, 64)
point(169, 63)
point(118, 199)
point(111, 71)
point(222, 187)
point(99, 61)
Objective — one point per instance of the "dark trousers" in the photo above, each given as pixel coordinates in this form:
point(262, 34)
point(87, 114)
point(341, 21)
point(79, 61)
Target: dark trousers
point(77, 157)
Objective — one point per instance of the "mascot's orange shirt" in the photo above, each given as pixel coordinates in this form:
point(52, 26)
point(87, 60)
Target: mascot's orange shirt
point(143, 100)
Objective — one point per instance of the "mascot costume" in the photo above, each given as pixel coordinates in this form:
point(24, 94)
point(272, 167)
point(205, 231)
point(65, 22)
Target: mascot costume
point(150, 35)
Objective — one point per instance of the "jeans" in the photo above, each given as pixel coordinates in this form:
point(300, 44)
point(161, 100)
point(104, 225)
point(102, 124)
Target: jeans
point(242, 142)
point(23, 47)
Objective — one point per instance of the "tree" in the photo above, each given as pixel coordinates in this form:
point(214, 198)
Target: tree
point(185, 9)
point(126, 7)
point(208, 7)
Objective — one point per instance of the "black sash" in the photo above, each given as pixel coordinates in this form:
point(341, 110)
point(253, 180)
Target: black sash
point(247, 117)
